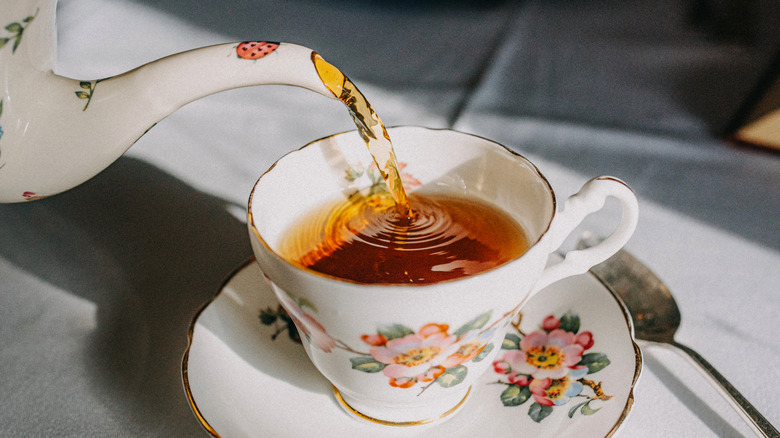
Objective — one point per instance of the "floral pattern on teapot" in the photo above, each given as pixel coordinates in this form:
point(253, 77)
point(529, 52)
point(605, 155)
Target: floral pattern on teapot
point(1, 134)
point(32, 159)
point(87, 95)
point(16, 30)
point(253, 50)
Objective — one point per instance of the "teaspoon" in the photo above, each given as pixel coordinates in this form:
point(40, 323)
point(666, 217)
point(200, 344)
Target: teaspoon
point(656, 318)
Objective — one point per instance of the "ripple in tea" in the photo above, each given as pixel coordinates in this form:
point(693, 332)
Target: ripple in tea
point(366, 240)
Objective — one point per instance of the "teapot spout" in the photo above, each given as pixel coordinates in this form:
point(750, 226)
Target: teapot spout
point(163, 86)
point(94, 122)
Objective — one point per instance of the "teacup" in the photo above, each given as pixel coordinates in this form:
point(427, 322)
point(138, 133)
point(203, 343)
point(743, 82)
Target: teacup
point(408, 354)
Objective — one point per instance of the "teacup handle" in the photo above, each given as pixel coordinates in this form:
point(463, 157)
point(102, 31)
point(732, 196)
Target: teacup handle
point(589, 199)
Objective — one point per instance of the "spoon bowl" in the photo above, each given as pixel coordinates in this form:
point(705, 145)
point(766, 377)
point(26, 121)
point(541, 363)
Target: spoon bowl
point(656, 318)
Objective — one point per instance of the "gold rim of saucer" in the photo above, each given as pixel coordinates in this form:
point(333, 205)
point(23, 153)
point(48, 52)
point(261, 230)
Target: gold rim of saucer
point(201, 416)
point(399, 423)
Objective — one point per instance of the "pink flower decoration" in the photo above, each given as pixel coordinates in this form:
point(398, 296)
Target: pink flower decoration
point(432, 329)
point(374, 340)
point(550, 323)
point(403, 382)
point(316, 333)
point(466, 351)
point(537, 388)
point(509, 365)
point(546, 363)
point(519, 379)
point(501, 366)
point(555, 392)
point(547, 355)
point(414, 354)
point(431, 374)
point(311, 328)
point(407, 180)
point(585, 339)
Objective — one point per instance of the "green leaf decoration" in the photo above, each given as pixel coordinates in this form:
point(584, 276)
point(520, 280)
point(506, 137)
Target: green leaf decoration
point(352, 174)
point(587, 410)
point(367, 364)
point(303, 302)
point(453, 376)
point(594, 361)
point(515, 395)
point(82, 94)
point(570, 322)
point(17, 41)
point(3, 42)
point(85, 84)
point(373, 173)
point(292, 333)
point(1, 107)
point(14, 28)
point(474, 324)
point(483, 354)
point(511, 342)
point(573, 410)
point(394, 331)
point(539, 412)
point(268, 316)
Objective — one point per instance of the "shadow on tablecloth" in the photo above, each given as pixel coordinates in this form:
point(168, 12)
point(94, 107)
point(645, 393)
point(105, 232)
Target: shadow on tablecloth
point(148, 251)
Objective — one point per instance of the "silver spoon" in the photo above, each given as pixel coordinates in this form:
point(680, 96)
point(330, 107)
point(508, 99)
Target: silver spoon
point(656, 318)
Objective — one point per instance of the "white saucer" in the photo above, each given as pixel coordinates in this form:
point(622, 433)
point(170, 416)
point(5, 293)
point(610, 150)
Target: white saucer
point(242, 383)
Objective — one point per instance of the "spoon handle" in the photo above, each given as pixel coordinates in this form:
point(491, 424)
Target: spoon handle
point(758, 422)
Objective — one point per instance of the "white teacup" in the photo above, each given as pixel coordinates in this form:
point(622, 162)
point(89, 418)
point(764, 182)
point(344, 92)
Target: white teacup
point(408, 354)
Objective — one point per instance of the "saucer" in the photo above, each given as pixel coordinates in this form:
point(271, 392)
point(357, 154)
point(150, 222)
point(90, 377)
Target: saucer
point(245, 376)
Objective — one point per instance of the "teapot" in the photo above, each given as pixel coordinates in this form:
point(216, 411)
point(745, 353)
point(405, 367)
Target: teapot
point(57, 132)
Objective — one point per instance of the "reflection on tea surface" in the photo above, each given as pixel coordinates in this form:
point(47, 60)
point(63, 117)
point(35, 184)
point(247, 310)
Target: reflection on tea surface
point(366, 240)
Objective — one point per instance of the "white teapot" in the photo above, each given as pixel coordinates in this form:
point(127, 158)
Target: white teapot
point(56, 132)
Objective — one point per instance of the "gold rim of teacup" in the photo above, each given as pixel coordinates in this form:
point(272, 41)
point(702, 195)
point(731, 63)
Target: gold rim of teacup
point(267, 246)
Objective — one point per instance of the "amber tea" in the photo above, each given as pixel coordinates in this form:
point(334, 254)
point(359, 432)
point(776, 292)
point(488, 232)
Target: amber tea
point(365, 239)
point(391, 237)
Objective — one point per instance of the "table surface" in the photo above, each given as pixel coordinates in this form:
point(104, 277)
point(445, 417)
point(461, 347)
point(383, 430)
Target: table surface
point(99, 284)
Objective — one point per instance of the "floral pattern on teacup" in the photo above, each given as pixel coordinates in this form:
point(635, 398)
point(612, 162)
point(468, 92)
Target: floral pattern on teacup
point(377, 183)
point(549, 365)
point(314, 332)
point(433, 354)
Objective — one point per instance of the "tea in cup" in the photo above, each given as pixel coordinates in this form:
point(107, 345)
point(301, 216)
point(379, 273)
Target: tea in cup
point(403, 313)
point(365, 239)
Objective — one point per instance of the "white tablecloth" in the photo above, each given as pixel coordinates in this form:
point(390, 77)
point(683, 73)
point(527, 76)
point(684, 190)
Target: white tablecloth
point(98, 285)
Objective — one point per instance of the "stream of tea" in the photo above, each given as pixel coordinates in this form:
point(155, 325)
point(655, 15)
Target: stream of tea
point(385, 236)
point(370, 127)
